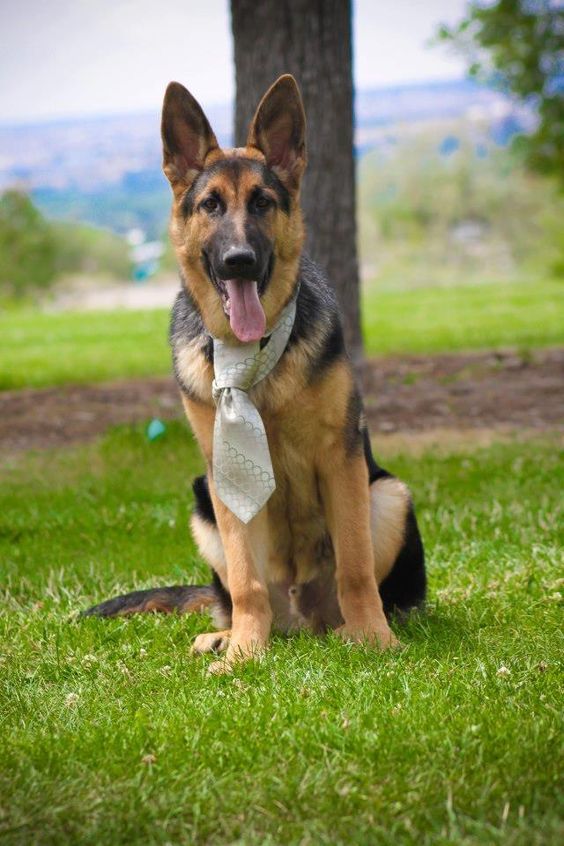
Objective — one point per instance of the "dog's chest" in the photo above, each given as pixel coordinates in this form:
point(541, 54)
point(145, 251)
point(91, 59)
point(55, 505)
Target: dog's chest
point(298, 533)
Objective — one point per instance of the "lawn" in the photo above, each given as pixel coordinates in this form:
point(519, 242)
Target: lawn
point(112, 734)
point(426, 320)
point(38, 349)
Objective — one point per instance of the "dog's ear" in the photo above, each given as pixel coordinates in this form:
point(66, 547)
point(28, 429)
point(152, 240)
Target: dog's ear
point(278, 130)
point(187, 136)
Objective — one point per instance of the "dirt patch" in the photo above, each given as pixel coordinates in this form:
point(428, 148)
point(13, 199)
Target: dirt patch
point(35, 419)
point(477, 390)
point(419, 394)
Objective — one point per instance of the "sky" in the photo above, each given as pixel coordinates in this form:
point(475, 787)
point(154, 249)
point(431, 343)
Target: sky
point(62, 58)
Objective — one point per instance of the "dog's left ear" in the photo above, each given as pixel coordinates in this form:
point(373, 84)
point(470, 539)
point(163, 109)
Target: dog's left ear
point(278, 130)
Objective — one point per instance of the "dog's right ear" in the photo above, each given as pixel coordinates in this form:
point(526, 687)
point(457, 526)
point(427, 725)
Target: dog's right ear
point(187, 136)
point(278, 130)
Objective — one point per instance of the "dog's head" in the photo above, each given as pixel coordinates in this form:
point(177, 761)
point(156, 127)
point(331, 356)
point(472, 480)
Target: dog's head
point(236, 223)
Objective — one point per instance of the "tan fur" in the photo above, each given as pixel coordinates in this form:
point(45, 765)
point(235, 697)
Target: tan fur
point(199, 603)
point(201, 417)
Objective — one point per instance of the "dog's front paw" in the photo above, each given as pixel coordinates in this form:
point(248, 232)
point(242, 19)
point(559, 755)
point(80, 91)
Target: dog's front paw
point(219, 668)
point(382, 637)
point(211, 642)
point(237, 654)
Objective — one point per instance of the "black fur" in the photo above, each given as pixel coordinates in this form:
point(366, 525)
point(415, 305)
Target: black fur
point(204, 506)
point(316, 306)
point(186, 322)
point(223, 596)
point(375, 472)
point(332, 350)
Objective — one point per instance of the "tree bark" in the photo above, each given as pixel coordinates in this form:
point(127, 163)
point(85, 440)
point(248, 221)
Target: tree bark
point(310, 39)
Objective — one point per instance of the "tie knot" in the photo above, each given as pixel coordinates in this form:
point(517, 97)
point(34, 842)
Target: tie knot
point(236, 367)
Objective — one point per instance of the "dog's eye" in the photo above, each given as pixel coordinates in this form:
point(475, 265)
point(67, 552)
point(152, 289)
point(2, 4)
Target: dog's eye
point(263, 202)
point(211, 204)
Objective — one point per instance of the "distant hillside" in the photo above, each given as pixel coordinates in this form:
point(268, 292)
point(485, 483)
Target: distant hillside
point(106, 170)
point(408, 105)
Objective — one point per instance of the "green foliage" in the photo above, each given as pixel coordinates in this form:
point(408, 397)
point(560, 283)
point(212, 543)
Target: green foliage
point(50, 349)
point(112, 733)
point(35, 252)
point(86, 250)
point(27, 247)
point(474, 214)
point(519, 44)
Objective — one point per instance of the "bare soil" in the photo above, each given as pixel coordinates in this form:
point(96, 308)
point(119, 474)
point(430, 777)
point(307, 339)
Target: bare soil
point(476, 390)
point(502, 391)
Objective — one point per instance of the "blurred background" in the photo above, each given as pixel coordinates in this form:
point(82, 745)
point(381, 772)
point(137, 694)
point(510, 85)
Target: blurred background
point(456, 144)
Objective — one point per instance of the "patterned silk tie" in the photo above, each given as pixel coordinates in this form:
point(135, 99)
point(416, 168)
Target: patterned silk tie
point(242, 469)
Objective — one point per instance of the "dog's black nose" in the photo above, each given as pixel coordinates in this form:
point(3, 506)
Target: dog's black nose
point(239, 258)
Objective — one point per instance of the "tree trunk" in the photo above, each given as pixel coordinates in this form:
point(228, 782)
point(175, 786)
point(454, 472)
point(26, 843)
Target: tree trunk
point(310, 39)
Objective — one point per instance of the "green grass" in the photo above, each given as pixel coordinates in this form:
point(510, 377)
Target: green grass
point(422, 320)
point(320, 743)
point(38, 350)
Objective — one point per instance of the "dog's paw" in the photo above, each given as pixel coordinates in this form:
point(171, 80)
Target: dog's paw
point(237, 654)
point(383, 638)
point(221, 667)
point(211, 642)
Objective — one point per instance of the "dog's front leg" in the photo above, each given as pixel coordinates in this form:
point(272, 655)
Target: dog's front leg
point(245, 549)
point(244, 546)
point(345, 491)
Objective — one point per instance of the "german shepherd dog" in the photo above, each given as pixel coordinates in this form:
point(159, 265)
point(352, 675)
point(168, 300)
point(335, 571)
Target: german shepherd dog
point(337, 545)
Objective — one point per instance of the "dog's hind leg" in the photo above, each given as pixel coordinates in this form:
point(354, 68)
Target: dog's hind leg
point(206, 535)
point(398, 551)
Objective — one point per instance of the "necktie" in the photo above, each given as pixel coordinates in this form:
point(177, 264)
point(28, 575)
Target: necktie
point(242, 469)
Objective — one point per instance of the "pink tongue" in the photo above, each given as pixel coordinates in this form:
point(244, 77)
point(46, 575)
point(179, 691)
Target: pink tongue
point(246, 315)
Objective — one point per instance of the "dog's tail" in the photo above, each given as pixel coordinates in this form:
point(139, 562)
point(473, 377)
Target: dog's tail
point(180, 598)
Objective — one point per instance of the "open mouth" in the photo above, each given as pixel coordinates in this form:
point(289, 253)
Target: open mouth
point(242, 306)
